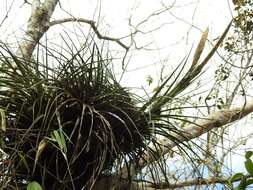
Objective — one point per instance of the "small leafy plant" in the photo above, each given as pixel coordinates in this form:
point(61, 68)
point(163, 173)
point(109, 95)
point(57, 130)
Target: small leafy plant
point(244, 180)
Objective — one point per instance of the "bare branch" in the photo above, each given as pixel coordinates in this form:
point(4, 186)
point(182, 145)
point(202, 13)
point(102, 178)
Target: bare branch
point(26, 2)
point(7, 14)
point(93, 26)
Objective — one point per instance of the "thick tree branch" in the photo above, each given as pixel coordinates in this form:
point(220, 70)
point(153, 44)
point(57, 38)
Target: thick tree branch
point(192, 131)
point(191, 182)
point(108, 182)
point(187, 183)
point(94, 28)
point(38, 24)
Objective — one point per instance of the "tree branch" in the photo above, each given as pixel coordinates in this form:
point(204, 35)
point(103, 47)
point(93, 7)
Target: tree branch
point(187, 183)
point(107, 182)
point(38, 24)
point(192, 131)
point(93, 26)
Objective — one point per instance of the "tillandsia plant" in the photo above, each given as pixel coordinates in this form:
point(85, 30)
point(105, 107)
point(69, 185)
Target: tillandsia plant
point(66, 125)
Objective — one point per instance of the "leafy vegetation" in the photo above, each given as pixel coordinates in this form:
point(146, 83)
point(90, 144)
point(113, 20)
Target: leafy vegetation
point(34, 186)
point(245, 181)
point(66, 125)
point(66, 121)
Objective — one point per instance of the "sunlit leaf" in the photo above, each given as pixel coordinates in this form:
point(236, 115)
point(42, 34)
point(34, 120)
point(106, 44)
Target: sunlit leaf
point(60, 139)
point(249, 166)
point(41, 147)
point(34, 186)
point(149, 80)
point(236, 177)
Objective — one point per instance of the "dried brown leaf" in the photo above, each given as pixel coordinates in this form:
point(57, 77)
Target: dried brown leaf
point(200, 48)
point(216, 46)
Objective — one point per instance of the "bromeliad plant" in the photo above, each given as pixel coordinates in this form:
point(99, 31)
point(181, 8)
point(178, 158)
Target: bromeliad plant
point(68, 124)
point(64, 126)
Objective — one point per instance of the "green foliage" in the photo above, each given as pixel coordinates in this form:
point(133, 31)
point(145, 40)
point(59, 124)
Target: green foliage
point(149, 80)
point(222, 73)
point(243, 19)
point(34, 186)
point(67, 124)
point(243, 27)
point(244, 180)
point(248, 163)
point(248, 154)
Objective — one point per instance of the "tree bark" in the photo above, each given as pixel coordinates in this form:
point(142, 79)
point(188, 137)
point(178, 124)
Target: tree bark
point(38, 24)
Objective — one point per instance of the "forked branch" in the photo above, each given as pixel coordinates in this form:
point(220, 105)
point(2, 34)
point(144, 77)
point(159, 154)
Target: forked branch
point(94, 28)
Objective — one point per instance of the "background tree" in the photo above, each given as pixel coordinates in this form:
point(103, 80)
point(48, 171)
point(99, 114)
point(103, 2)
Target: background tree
point(45, 105)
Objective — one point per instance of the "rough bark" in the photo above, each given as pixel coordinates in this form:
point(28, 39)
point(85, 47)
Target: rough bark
point(38, 24)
